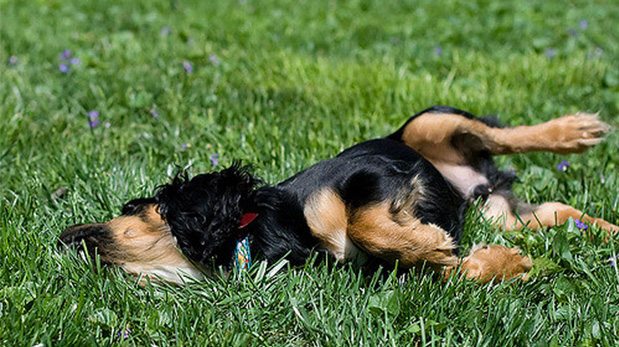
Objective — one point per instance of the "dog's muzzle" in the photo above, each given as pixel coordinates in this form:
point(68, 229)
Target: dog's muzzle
point(96, 237)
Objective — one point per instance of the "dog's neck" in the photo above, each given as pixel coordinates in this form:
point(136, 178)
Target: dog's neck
point(279, 230)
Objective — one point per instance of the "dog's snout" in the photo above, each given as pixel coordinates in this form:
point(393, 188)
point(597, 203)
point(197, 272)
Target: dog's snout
point(95, 236)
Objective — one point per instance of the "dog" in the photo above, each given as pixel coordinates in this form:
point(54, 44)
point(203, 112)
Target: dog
point(400, 200)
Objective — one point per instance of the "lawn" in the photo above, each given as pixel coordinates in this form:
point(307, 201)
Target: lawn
point(102, 101)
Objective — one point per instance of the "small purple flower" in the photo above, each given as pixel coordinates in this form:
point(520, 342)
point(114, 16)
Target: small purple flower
point(214, 159)
point(562, 166)
point(153, 112)
point(93, 122)
point(185, 145)
point(550, 53)
point(165, 31)
point(213, 59)
point(187, 66)
point(63, 68)
point(125, 333)
point(580, 225)
point(65, 55)
point(438, 50)
point(74, 61)
point(13, 60)
point(583, 24)
point(612, 260)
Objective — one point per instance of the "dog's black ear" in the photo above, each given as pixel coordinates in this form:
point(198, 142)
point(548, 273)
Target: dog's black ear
point(204, 212)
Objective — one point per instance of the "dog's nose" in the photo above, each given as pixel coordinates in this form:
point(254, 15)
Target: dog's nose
point(95, 236)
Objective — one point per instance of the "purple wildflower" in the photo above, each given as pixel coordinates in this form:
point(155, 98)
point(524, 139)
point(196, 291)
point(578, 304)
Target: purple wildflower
point(438, 50)
point(65, 55)
point(562, 166)
point(187, 66)
point(612, 260)
point(63, 68)
point(583, 24)
point(213, 59)
point(125, 333)
point(214, 159)
point(74, 61)
point(153, 112)
point(93, 122)
point(185, 145)
point(165, 31)
point(13, 60)
point(580, 225)
point(550, 53)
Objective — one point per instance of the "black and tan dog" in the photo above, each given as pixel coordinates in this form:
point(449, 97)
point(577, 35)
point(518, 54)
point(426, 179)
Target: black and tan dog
point(400, 199)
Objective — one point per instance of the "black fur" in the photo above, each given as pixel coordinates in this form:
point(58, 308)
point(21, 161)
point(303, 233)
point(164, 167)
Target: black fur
point(203, 213)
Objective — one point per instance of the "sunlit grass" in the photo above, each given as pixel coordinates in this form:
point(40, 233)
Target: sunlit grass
point(281, 85)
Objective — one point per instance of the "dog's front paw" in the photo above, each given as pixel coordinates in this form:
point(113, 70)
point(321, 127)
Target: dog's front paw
point(495, 262)
point(576, 133)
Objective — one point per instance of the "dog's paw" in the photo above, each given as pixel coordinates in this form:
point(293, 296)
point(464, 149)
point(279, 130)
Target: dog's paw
point(609, 227)
point(576, 133)
point(495, 262)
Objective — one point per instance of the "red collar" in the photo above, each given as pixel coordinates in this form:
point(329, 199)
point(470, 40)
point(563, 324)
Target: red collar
point(247, 218)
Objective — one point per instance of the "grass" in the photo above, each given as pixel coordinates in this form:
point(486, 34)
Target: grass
point(293, 82)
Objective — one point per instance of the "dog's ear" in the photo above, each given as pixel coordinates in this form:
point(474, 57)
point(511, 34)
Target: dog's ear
point(204, 212)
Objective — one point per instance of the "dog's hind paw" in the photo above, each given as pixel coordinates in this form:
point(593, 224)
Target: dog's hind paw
point(576, 133)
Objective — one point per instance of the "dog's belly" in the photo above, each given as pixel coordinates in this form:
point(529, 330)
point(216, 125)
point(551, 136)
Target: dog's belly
point(463, 177)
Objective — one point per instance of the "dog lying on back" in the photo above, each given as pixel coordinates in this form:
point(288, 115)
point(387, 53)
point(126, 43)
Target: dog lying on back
point(400, 199)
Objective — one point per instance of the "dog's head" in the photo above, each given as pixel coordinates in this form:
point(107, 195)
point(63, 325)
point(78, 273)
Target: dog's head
point(189, 227)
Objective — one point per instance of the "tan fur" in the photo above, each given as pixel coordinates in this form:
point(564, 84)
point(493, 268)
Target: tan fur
point(408, 241)
point(325, 213)
point(144, 245)
point(431, 134)
point(549, 214)
point(405, 203)
point(495, 262)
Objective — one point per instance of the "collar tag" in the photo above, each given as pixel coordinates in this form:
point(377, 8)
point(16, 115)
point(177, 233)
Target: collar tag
point(242, 255)
point(246, 219)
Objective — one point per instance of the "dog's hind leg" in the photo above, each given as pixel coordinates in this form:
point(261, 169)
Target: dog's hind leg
point(501, 210)
point(461, 146)
point(443, 134)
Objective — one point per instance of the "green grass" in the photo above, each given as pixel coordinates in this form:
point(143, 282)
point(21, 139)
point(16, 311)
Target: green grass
point(297, 81)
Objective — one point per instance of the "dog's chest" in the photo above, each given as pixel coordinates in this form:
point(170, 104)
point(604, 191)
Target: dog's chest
point(463, 177)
